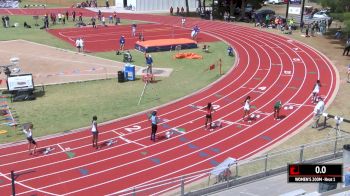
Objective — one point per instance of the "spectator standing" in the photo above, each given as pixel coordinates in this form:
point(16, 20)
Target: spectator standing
point(316, 91)
point(7, 21)
point(307, 31)
point(141, 38)
point(267, 20)
point(149, 63)
point(77, 44)
point(46, 22)
point(63, 19)
point(103, 21)
point(29, 136)
point(133, 30)
point(80, 17)
point(67, 15)
point(81, 43)
point(182, 11)
point(3, 21)
point(107, 4)
point(115, 16)
point(59, 16)
point(122, 43)
point(183, 21)
point(302, 26)
point(177, 11)
point(229, 51)
point(99, 15)
point(319, 108)
point(93, 22)
point(110, 19)
point(73, 15)
point(347, 47)
point(171, 10)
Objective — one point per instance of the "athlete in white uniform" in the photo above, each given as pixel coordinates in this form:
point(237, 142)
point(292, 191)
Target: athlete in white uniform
point(29, 136)
point(246, 107)
point(94, 132)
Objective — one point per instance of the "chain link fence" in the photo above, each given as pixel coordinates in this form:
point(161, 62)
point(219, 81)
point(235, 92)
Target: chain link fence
point(203, 182)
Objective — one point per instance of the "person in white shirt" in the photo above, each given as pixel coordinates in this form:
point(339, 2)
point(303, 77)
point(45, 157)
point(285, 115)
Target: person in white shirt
point(81, 43)
point(319, 108)
point(94, 132)
point(246, 108)
point(103, 21)
point(316, 91)
point(77, 44)
point(183, 21)
point(29, 136)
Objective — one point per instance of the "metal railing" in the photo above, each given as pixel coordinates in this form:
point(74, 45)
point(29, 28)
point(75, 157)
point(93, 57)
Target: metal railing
point(202, 182)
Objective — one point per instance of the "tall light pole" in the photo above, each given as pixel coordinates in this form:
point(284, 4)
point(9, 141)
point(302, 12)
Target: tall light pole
point(287, 9)
point(302, 11)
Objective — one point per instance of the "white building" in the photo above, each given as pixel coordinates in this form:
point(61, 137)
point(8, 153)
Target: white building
point(156, 5)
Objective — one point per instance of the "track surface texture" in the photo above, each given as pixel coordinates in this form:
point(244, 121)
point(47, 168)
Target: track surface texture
point(267, 68)
point(104, 39)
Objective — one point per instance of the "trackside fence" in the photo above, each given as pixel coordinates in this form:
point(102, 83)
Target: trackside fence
point(203, 182)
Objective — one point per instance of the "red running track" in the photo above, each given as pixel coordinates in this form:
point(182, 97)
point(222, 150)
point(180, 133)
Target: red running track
point(134, 161)
point(104, 39)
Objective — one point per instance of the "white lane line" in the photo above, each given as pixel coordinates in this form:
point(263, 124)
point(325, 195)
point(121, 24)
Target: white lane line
point(9, 11)
point(116, 132)
point(28, 187)
point(168, 149)
point(129, 141)
point(61, 148)
point(216, 155)
point(172, 111)
point(227, 95)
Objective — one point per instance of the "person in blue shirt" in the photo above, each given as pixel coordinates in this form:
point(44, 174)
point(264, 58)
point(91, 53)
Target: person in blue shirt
point(195, 32)
point(230, 51)
point(154, 120)
point(149, 63)
point(122, 43)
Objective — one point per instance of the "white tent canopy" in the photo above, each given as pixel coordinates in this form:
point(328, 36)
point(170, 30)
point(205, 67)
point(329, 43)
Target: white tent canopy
point(156, 5)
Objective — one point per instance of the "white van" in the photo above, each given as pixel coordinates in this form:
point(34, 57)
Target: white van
point(274, 1)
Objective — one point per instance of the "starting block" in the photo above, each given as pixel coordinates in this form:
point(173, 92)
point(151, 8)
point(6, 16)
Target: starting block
point(254, 116)
point(288, 107)
point(168, 134)
point(216, 124)
point(111, 142)
point(48, 150)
